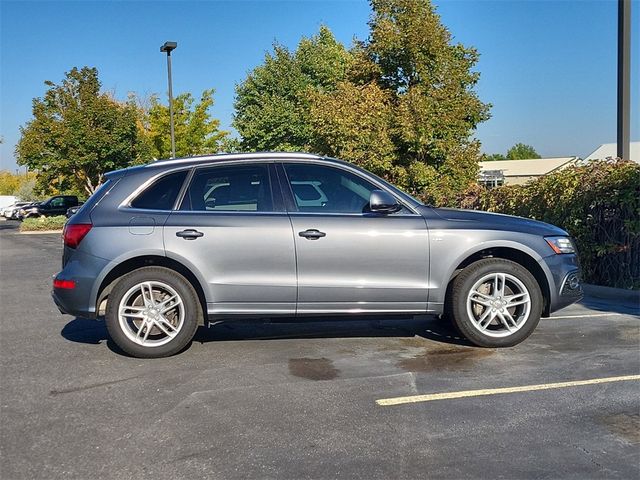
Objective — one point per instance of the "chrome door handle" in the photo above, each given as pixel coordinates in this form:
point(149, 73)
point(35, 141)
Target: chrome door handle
point(312, 234)
point(189, 234)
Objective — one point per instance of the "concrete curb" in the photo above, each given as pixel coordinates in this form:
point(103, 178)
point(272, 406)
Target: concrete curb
point(40, 232)
point(613, 294)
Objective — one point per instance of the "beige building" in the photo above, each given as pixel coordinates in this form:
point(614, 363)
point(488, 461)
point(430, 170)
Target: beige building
point(609, 150)
point(517, 172)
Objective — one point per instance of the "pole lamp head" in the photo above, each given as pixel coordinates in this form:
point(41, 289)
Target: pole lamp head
point(168, 47)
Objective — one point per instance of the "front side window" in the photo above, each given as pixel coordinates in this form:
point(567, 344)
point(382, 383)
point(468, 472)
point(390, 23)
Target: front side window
point(162, 193)
point(238, 188)
point(317, 188)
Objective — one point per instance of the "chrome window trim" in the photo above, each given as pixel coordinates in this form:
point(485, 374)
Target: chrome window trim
point(354, 214)
point(225, 212)
point(193, 163)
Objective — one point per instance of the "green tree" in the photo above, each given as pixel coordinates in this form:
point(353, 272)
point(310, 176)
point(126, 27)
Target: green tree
point(433, 81)
point(272, 109)
point(353, 123)
point(493, 157)
point(520, 151)
point(22, 185)
point(401, 103)
point(27, 188)
point(196, 132)
point(77, 134)
point(9, 182)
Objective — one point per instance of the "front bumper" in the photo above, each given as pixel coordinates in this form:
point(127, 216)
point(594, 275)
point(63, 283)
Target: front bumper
point(565, 284)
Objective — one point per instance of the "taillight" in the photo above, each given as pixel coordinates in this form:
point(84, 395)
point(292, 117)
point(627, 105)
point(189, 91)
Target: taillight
point(74, 233)
point(65, 284)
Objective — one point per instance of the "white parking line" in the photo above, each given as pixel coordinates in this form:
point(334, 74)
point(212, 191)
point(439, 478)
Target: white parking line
point(589, 315)
point(387, 402)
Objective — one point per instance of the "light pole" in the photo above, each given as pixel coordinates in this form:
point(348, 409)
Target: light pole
point(168, 47)
point(624, 79)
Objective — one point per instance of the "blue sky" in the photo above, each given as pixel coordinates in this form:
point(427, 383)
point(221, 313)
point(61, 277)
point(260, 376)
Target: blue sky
point(548, 67)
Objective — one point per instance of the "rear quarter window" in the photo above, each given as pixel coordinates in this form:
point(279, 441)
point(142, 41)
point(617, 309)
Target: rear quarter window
point(161, 194)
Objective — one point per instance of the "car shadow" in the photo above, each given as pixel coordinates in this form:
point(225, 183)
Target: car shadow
point(432, 328)
point(9, 225)
point(604, 305)
point(94, 332)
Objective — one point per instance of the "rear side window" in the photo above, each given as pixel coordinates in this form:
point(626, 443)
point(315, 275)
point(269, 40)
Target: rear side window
point(161, 194)
point(238, 188)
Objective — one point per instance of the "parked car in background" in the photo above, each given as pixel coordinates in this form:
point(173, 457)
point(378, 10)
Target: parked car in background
point(16, 213)
point(57, 205)
point(71, 211)
point(12, 210)
point(161, 248)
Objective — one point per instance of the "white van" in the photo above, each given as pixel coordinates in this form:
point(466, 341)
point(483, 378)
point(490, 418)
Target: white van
point(6, 200)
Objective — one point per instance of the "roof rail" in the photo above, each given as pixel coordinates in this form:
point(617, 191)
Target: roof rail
point(232, 156)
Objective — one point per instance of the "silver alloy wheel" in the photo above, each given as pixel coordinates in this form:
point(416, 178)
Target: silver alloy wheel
point(151, 314)
point(498, 305)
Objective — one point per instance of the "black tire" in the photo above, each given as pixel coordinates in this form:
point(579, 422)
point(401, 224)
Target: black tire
point(457, 310)
point(192, 313)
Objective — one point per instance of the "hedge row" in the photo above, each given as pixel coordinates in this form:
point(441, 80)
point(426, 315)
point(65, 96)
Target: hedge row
point(597, 203)
point(43, 223)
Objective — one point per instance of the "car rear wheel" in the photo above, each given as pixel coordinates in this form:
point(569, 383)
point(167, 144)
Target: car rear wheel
point(495, 303)
point(153, 312)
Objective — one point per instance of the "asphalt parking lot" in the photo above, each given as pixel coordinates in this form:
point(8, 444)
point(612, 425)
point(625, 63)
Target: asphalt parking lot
point(303, 400)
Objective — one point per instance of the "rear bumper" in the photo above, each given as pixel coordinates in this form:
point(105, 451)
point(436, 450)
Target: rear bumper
point(84, 270)
point(565, 284)
point(66, 305)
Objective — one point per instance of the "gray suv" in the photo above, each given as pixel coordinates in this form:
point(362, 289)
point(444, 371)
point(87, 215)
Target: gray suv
point(159, 249)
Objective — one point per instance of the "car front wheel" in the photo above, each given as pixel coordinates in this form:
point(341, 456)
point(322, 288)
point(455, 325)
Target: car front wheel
point(495, 303)
point(153, 312)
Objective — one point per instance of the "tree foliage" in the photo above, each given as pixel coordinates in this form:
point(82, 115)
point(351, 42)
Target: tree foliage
point(272, 103)
point(19, 184)
point(353, 123)
point(9, 182)
point(433, 79)
point(77, 134)
point(597, 203)
point(27, 189)
point(520, 151)
point(494, 157)
point(402, 103)
point(196, 132)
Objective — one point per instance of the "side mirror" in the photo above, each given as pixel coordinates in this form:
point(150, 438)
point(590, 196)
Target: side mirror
point(383, 202)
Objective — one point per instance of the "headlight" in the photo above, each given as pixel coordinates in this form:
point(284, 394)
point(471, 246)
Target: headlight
point(561, 244)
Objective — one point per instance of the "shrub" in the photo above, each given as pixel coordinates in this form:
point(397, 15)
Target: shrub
point(597, 203)
point(43, 223)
